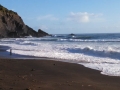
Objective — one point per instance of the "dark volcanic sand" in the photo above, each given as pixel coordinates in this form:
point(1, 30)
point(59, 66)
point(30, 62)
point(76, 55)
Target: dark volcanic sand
point(52, 75)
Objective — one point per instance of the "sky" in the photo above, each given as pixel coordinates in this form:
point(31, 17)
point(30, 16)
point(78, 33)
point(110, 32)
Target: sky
point(68, 16)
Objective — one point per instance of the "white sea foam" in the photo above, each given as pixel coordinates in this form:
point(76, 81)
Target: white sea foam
point(101, 56)
point(111, 69)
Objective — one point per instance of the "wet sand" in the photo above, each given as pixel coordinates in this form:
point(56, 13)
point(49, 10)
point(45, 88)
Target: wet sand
point(21, 74)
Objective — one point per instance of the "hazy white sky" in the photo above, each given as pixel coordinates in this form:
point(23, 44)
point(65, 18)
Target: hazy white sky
point(68, 16)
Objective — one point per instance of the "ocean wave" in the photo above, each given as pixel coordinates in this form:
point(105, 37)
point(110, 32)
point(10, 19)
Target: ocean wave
point(64, 38)
point(68, 40)
point(66, 50)
point(97, 53)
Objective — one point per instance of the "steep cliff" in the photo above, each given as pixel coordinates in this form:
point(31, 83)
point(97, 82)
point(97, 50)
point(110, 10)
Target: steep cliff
point(12, 25)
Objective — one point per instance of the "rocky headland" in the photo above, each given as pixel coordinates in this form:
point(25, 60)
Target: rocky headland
point(12, 25)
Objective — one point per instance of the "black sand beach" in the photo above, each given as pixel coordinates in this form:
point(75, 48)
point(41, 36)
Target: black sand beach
point(16, 74)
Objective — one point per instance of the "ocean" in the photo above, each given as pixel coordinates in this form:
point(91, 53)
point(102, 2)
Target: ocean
point(96, 51)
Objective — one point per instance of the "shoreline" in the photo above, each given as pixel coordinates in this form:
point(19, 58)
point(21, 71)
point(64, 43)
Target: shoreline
point(32, 74)
point(26, 57)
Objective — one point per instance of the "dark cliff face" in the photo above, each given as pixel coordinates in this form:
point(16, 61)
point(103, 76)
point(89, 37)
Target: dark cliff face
point(41, 33)
point(11, 25)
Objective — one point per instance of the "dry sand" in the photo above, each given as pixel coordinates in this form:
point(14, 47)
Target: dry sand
point(52, 75)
